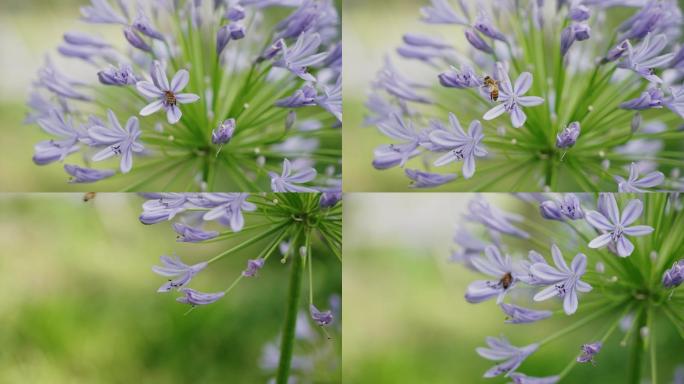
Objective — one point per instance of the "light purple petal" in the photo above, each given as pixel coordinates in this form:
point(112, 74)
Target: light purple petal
point(631, 212)
point(600, 241)
point(180, 81)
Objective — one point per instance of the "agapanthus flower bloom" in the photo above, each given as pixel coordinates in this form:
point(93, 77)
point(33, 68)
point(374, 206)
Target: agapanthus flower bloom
point(553, 68)
point(498, 266)
point(461, 146)
point(636, 184)
point(288, 182)
point(640, 295)
point(614, 226)
point(242, 221)
point(206, 79)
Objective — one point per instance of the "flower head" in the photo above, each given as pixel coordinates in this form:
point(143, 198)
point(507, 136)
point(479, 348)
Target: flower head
point(512, 97)
point(166, 96)
point(118, 141)
point(461, 146)
point(498, 266)
point(674, 276)
point(322, 318)
point(253, 266)
point(615, 226)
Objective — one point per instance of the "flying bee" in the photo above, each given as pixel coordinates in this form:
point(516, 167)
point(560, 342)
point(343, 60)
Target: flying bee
point(506, 280)
point(88, 196)
point(493, 86)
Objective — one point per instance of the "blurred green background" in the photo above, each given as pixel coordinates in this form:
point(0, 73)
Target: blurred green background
point(410, 322)
point(80, 303)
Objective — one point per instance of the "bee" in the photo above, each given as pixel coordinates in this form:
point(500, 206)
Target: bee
point(89, 196)
point(493, 86)
point(169, 98)
point(506, 280)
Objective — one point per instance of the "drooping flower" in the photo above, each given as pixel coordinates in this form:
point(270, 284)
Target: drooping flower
point(321, 318)
point(589, 351)
point(651, 98)
point(288, 182)
point(562, 281)
point(460, 145)
point(166, 96)
point(440, 12)
point(643, 58)
point(174, 267)
point(302, 55)
point(195, 298)
point(520, 315)
point(465, 78)
point(482, 212)
point(498, 266)
point(635, 184)
point(427, 180)
point(393, 155)
point(615, 226)
point(227, 209)
point(188, 234)
point(500, 349)
point(86, 175)
point(566, 207)
point(119, 141)
point(512, 97)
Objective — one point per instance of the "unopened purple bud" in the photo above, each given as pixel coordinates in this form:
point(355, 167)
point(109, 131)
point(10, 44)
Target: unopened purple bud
point(550, 210)
point(674, 276)
point(589, 351)
point(568, 136)
point(579, 13)
point(84, 39)
point(466, 78)
point(321, 318)
point(651, 98)
point(224, 132)
point(485, 26)
point(253, 266)
point(581, 31)
point(144, 26)
point(235, 13)
point(135, 40)
point(272, 51)
point(424, 41)
point(222, 39)
point(477, 42)
point(330, 198)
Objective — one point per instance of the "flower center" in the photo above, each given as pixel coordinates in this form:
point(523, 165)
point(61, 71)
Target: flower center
point(169, 98)
point(617, 233)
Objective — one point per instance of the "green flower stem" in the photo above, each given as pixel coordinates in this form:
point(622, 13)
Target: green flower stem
point(288, 339)
point(652, 345)
point(249, 242)
point(637, 352)
point(578, 324)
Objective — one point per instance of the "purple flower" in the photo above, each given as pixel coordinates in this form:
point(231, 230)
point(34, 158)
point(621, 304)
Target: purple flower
point(85, 39)
point(568, 136)
point(253, 266)
point(321, 318)
point(235, 13)
point(500, 349)
point(119, 141)
point(477, 41)
point(287, 182)
point(512, 98)
point(302, 55)
point(166, 95)
point(495, 265)
point(49, 151)
point(227, 209)
point(485, 26)
point(568, 206)
point(614, 226)
point(398, 85)
point(520, 315)
point(164, 207)
point(59, 84)
point(466, 78)
point(562, 281)
point(653, 16)
point(589, 351)
point(493, 218)
point(579, 12)
point(643, 59)
point(470, 248)
point(119, 77)
point(617, 52)
point(174, 267)
point(303, 97)
point(331, 99)
point(143, 24)
point(674, 277)
point(101, 12)
point(136, 40)
point(225, 34)
point(422, 179)
point(521, 378)
point(187, 234)
point(441, 12)
point(388, 156)
point(224, 132)
point(330, 198)
point(86, 175)
point(550, 210)
point(675, 102)
point(651, 98)
point(461, 146)
point(635, 184)
point(194, 297)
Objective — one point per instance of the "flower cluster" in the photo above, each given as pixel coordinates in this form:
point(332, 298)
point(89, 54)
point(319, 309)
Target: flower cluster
point(620, 255)
point(215, 95)
point(587, 108)
point(292, 224)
